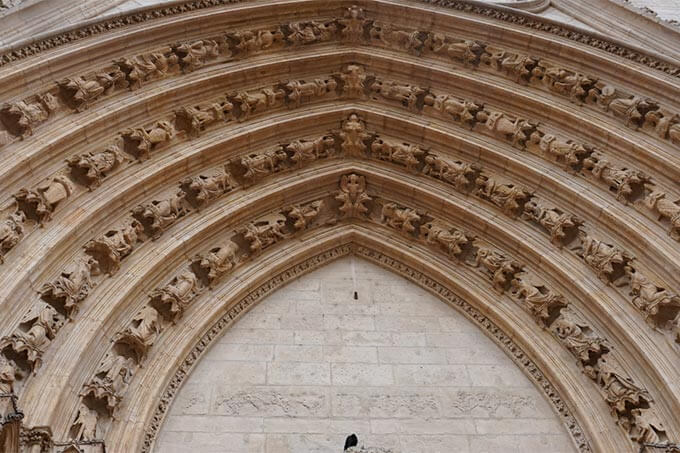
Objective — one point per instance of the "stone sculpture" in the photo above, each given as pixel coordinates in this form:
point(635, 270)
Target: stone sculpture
point(40, 204)
point(176, 296)
point(399, 218)
point(264, 232)
point(562, 227)
point(158, 216)
point(448, 238)
point(11, 232)
point(110, 380)
point(501, 269)
point(354, 136)
point(193, 56)
point(299, 89)
point(141, 141)
point(459, 174)
point(200, 190)
point(71, 286)
point(257, 166)
point(114, 245)
point(400, 153)
point(352, 196)
point(142, 332)
point(303, 215)
point(90, 169)
point(303, 151)
point(510, 198)
point(217, 262)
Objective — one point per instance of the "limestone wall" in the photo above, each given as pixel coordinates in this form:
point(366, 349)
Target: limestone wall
point(310, 365)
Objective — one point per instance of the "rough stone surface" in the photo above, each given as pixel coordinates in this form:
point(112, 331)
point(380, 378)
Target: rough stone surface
point(310, 365)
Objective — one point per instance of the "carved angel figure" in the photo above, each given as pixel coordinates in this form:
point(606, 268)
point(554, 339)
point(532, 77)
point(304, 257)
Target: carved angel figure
point(299, 89)
point(263, 164)
point(250, 103)
point(218, 261)
point(446, 236)
point(353, 196)
point(354, 136)
point(501, 269)
point(566, 152)
point(517, 131)
point(620, 390)
point(559, 225)
point(20, 118)
point(311, 32)
point(84, 428)
point(465, 51)
point(157, 216)
point(39, 204)
point(353, 24)
point(399, 153)
point(7, 379)
point(114, 245)
point(660, 202)
point(303, 215)
point(201, 189)
point(264, 231)
point(110, 380)
point(461, 175)
point(193, 56)
point(72, 286)
point(79, 93)
point(389, 36)
point(508, 197)
point(11, 232)
point(141, 141)
point(91, 168)
point(653, 300)
point(142, 332)
point(248, 41)
point(194, 120)
point(625, 182)
point(407, 95)
point(353, 78)
point(176, 295)
point(36, 331)
point(308, 150)
point(462, 111)
point(578, 338)
point(399, 218)
point(543, 303)
point(602, 257)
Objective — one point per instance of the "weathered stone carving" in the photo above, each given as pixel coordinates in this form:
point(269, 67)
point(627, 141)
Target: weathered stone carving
point(568, 153)
point(501, 269)
point(72, 286)
point(217, 262)
point(248, 42)
point(110, 380)
point(579, 338)
point(466, 51)
point(659, 306)
point(114, 245)
point(194, 120)
point(631, 109)
point(454, 242)
point(20, 118)
point(627, 184)
point(193, 56)
point(409, 96)
point(665, 208)
point(8, 409)
point(299, 89)
point(257, 166)
point(311, 32)
point(263, 232)
point(140, 141)
point(462, 111)
point(510, 198)
point(399, 153)
point(202, 189)
point(91, 168)
point(564, 82)
point(353, 78)
point(158, 216)
point(666, 124)
point(608, 261)
point(459, 174)
point(36, 439)
point(172, 299)
point(644, 427)
point(144, 68)
point(84, 427)
point(562, 227)
point(543, 303)
point(389, 36)
point(11, 232)
point(142, 332)
point(621, 393)
point(354, 136)
point(36, 331)
point(353, 24)
point(518, 67)
point(303, 151)
point(39, 204)
point(517, 131)
point(249, 103)
point(78, 92)
point(303, 215)
point(399, 218)
point(353, 196)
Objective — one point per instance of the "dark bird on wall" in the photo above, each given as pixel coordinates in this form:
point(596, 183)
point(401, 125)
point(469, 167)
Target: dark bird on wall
point(351, 441)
